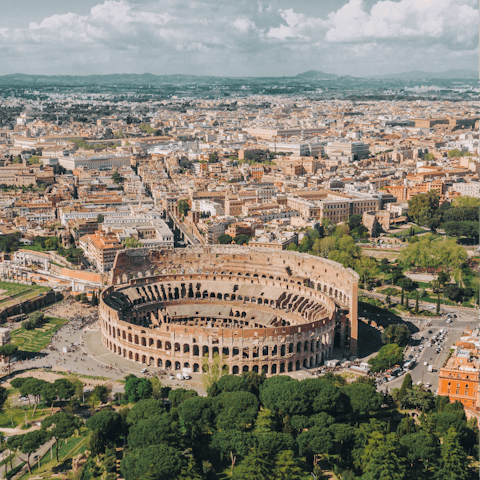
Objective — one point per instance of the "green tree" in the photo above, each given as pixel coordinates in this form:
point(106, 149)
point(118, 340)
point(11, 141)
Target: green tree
point(355, 221)
point(144, 409)
point(396, 333)
point(423, 207)
point(454, 464)
point(416, 302)
point(388, 356)
point(211, 372)
point(363, 398)
point(384, 463)
point(153, 462)
point(60, 426)
point(407, 384)
point(241, 239)
point(257, 465)
point(108, 425)
point(438, 305)
point(183, 207)
point(137, 389)
point(367, 268)
point(100, 218)
point(132, 242)
point(117, 178)
point(287, 467)
point(7, 351)
point(224, 239)
point(27, 444)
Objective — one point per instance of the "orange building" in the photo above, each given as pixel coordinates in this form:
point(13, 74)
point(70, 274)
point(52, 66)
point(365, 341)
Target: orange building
point(459, 378)
point(101, 248)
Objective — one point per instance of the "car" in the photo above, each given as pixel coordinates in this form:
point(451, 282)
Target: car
point(430, 332)
point(412, 349)
point(428, 385)
point(23, 399)
point(144, 370)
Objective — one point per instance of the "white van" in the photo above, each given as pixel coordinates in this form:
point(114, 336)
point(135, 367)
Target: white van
point(186, 376)
point(180, 376)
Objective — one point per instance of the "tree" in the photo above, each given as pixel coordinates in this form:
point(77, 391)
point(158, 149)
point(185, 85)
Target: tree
point(212, 372)
point(354, 221)
point(287, 467)
point(108, 424)
point(183, 207)
point(363, 398)
point(33, 386)
point(396, 333)
point(224, 239)
point(137, 389)
point(388, 355)
point(117, 178)
point(144, 409)
point(438, 305)
point(27, 444)
point(153, 462)
point(407, 384)
point(100, 218)
point(257, 465)
point(62, 425)
point(367, 268)
point(132, 242)
point(345, 252)
point(241, 239)
point(384, 463)
point(454, 464)
point(7, 351)
point(423, 207)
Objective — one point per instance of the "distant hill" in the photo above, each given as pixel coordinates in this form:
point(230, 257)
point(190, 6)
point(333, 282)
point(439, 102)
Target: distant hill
point(151, 79)
point(316, 74)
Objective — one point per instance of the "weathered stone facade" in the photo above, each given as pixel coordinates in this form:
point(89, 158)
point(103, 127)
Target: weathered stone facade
point(271, 311)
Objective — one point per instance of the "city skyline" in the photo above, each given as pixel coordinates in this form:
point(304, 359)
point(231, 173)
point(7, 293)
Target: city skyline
point(249, 38)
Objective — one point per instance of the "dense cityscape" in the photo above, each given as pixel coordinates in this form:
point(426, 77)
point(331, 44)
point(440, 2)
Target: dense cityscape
point(246, 278)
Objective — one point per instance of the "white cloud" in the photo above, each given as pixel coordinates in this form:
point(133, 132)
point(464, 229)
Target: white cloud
point(442, 21)
point(248, 37)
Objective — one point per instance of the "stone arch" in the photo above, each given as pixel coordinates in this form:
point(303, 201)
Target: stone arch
point(297, 365)
point(176, 347)
point(255, 368)
point(159, 344)
point(144, 342)
point(196, 367)
point(186, 348)
point(195, 351)
point(273, 369)
point(136, 339)
point(168, 346)
point(245, 368)
point(159, 362)
point(168, 364)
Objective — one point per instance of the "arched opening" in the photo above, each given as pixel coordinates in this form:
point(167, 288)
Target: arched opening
point(144, 342)
point(265, 351)
point(299, 347)
point(245, 368)
point(305, 363)
point(290, 366)
point(274, 369)
point(168, 346)
point(297, 365)
point(204, 351)
point(282, 351)
point(177, 347)
point(186, 348)
point(290, 348)
point(168, 364)
point(136, 339)
point(195, 351)
point(159, 362)
point(177, 366)
point(137, 357)
point(235, 370)
point(196, 367)
point(265, 368)
point(151, 361)
point(130, 356)
point(186, 365)
point(159, 344)
point(255, 368)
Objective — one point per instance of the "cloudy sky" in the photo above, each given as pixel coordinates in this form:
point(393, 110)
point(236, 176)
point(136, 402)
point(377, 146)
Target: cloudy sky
point(237, 37)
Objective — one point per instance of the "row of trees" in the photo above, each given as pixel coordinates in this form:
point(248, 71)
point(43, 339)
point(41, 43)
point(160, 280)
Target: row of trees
point(280, 428)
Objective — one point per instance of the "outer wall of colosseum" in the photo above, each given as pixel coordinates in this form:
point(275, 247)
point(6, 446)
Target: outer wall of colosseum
point(259, 310)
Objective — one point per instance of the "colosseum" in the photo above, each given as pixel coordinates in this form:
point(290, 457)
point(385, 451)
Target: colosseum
point(258, 310)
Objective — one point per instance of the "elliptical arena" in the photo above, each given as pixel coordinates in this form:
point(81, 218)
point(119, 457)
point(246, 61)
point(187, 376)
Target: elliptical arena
point(257, 309)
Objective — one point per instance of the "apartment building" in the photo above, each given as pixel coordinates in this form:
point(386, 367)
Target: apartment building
point(99, 162)
point(101, 248)
point(459, 378)
point(471, 189)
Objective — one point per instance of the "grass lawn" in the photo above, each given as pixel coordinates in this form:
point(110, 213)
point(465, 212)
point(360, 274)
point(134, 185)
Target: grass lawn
point(37, 339)
point(406, 231)
point(17, 290)
point(11, 418)
point(36, 247)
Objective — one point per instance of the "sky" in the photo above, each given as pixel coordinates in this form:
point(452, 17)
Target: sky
point(237, 38)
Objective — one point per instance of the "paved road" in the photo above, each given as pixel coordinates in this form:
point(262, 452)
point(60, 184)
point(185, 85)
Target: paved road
point(454, 331)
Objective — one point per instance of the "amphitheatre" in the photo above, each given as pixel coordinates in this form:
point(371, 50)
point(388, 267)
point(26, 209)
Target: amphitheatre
point(256, 309)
